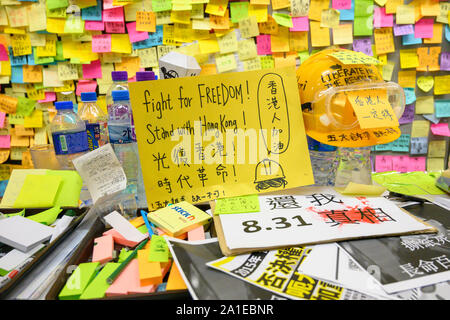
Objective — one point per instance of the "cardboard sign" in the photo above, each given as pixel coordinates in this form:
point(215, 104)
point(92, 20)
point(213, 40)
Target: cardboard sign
point(224, 135)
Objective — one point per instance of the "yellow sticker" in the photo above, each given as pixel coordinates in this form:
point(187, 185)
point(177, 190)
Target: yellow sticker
point(353, 57)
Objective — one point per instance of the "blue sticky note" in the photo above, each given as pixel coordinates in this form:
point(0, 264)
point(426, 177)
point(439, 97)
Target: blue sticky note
point(442, 108)
point(3, 185)
point(154, 39)
point(447, 33)
point(410, 39)
point(431, 117)
point(16, 61)
point(347, 14)
point(410, 95)
point(419, 145)
point(16, 74)
point(30, 60)
point(92, 13)
point(383, 147)
point(401, 144)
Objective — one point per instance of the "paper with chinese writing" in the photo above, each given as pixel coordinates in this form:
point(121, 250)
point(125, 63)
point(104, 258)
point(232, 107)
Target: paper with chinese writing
point(321, 215)
point(190, 133)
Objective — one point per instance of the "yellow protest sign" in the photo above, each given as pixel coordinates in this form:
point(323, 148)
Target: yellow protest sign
point(224, 135)
point(372, 108)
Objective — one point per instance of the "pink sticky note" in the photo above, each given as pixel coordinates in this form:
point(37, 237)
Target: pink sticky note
point(49, 97)
point(128, 282)
point(400, 163)
point(108, 4)
point(417, 164)
point(424, 28)
point(440, 129)
point(119, 239)
point(3, 53)
point(196, 234)
point(115, 27)
point(5, 141)
point(300, 24)
point(263, 44)
point(2, 119)
point(135, 35)
point(113, 15)
point(92, 70)
point(86, 86)
point(101, 43)
point(383, 163)
point(94, 25)
point(381, 19)
point(103, 249)
point(341, 4)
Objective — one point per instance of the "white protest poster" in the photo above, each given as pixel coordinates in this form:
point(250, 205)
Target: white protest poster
point(178, 65)
point(101, 171)
point(317, 215)
point(276, 270)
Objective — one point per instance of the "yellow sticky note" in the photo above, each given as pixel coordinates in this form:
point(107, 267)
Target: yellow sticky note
point(252, 64)
point(17, 16)
point(435, 164)
point(442, 84)
point(247, 49)
point(425, 105)
point(316, 7)
point(34, 121)
point(38, 191)
point(372, 108)
point(183, 17)
point(280, 42)
point(362, 189)
point(343, 34)
point(209, 46)
point(425, 83)
point(391, 5)
point(120, 43)
point(55, 25)
point(228, 43)
point(8, 104)
point(437, 148)
point(280, 4)
point(148, 57)
point(129, 64)
point(49, 50)
point(420, 128)
point(268, 27)
point(258, 11)
point(407, 78)
point(437, 34)
point(443, 12)
point(384, 40)
point(220, 22)
point(387, 70)
point(330, 18)
point(282, 60)
point(226, 62)
point(430, 8)
point(249, 27)
point(409, 58)
point(405, 14)
point(298, 41)
point(21, 44)
point(37, 17)
point(320, 37)
point(217, 7)
point(353, 57)
point(208, 69)
point(145, 21)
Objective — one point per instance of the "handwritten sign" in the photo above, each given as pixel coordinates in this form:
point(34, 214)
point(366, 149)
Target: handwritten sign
point(242, 204)
point(192, 130)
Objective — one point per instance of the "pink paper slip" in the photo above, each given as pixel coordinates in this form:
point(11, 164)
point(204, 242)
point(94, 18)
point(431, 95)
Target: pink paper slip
point(101, 43)
point(49, 97)
point(94, 25)
point(263, 45)
point(440, 129)
point(3, 53)
point(113, 15)
point(135, 35)
point(92, 70)
point(300, 24)
point(5, 141)
point(417, 164)
point(424, 28)
point(341, 4)
point(381, 19)
point(86, 86)
point(383, 163)
point(400, 163)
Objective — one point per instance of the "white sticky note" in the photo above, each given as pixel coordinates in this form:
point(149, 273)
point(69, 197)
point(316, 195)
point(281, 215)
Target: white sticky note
point(15, 257)
point(124, 227)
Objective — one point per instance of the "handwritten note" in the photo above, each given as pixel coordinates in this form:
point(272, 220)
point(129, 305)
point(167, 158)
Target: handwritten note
point(241, 204)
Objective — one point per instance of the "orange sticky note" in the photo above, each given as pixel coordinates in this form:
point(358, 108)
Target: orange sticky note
point(280, 41)
point(220, 22)
point(384, 40)
point(437, 34)
point(145, 21)
point(316, 7)
point(320, 37)
point(137, 222)
point(32, 74)
point(129, 64)
point(391, 6)
point(8, 104)
point(149, 272)
point(428, 58)
point(208, 69)
point(282, 60)
point(407, 78)
point(298, 41)
point(268, 27)
point(175, 280)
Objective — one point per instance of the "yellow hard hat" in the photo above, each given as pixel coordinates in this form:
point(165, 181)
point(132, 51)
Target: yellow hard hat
point(332, 83)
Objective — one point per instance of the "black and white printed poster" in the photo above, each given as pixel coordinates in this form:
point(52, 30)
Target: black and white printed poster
point(407, 262)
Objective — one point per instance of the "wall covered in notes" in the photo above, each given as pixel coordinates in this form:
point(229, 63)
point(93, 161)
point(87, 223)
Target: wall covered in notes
point(53, 50)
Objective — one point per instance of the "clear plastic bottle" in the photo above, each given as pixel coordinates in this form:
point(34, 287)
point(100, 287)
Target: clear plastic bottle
point(120, 79)
point(69, 135)
point(95, 119)
point(121, 138)
point(324, 162)
point(354, 165)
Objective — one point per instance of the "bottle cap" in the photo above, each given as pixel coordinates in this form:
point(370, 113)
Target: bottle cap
point(120, 95)
point(88, 96)
point(119, 75)
point(63, 105)
point(145, 75)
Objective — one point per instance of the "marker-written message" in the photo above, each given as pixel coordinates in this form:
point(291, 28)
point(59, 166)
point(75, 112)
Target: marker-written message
point(208, 137)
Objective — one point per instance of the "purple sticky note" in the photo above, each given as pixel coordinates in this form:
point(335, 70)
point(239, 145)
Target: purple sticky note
point(403, 29)
point(49, 97)
point(263, 44)
point(113, 15)
point(2, 119)
point(381, 19)
point(92, 70)
point(341, 4)
point(300, 24)
point(363, 45)
point(5, 141)
point(94, 25)
point(383, 163)
point(3, 53)
point(135, 35)
point(445, 61)
point(86, 86)
point(440, 129)
point(417, 164)
point(408, 114)
point(400, 163)
point(424, 28)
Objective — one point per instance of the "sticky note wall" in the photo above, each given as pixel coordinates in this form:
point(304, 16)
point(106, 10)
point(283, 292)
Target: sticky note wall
point(53, 50)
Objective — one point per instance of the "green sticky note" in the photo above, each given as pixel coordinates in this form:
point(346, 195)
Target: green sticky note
point(283, 19)
point(59, 51)
point(363, 8)
point(123, 255)
point(97, 288)
point(55, 4)
point(38, 191)
point(70, 189)
point(159, 251)
point(242, 204)
point(20, 213)
point(46, 217)
point(25, 106)
point(238, 11)
point(3, 272)
point(78, 281)
point(74, 25)
point(363, 26)
point(16, 118)
point(161, 5)
point(267, 62)
point(406, 189)
point(41, 60)
point(143, 229)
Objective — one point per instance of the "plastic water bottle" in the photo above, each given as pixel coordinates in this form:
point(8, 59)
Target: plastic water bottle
point(120, 79)
point(121, 138)
point(69, 135)
point(354, 166)
point(324, 162)
point(95, 119)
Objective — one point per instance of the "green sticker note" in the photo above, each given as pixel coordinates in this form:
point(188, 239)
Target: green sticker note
point(242, 204)
point(25, 106)
point(20, 213)
point(159, 252)
point(123, 255)
point(161, 5)
point(55, 4)
point(70, 189)
point(46, 217)
point(38, 191)
point(97, 288)
point(363, 26)
point(238, 11)
point(78, 281)
point(283, 19)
